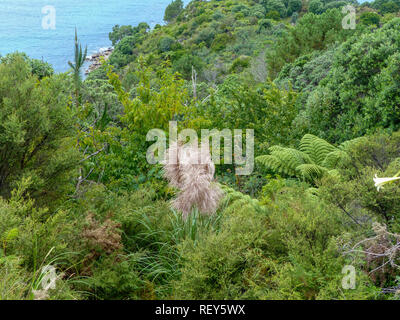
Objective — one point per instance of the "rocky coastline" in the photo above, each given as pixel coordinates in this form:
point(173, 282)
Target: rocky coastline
point(95, 59)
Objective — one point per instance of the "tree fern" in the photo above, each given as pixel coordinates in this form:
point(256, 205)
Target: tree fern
point(315, 158)
point(334, 158)
point(311, 171)
point(284, 160)
point(316, 148)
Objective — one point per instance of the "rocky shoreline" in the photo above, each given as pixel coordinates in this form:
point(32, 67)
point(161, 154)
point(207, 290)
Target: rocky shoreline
point(95, 58)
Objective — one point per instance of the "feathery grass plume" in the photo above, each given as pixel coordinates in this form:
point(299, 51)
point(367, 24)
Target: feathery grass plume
point(191, 170)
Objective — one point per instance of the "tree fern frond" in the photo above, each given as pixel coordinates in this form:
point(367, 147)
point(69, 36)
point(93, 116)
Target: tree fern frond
point(316, 148)
point(334, 173)
point(284, 160)
point(333, 159)
point(274, 164)
point(275, 148)
point(310, 172)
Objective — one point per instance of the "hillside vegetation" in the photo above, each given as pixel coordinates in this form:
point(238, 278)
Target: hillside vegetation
point(78, 194)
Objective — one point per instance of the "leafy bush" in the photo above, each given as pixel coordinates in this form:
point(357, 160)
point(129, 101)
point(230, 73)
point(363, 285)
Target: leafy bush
point(264, 24)
point(35, 132)
point(275, 5)
point(270, 108)
point(240, 64)
point(206, 35)
point(13, 279)
point(185, 64)
point(155, 103)
point(166, 44)
point(370, 18)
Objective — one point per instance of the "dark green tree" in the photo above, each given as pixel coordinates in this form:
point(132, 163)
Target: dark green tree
point(293, 6)
point(119, 32)
point(274, 5)
point(173, 10)
point(316, 6)
point(370, 18)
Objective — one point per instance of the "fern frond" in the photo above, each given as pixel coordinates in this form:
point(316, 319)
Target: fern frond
point(334, 173)
point(275, 148)
point(274, 164)
point(310, 172)
point(284, 160)
point(316, 148)
point(333, 159)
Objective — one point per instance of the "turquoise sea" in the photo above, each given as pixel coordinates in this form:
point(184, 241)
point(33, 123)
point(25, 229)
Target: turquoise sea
point(21, 25)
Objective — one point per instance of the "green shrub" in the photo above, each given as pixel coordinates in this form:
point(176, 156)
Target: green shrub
point(335, 4)
point(220, 42)
point(206, 35)
point(275, 6)
point(370, 18)
point(314, 159)
point(264, 24)
point(185, 63)
point(35, 132)
point(273, 15)
point(240, 64)
point(309, 262)
point(316, 6)
point(223, 265)
point(166, 43)
point(14, 280)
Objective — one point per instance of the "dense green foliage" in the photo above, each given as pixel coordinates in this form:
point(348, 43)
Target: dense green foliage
point(359, 92)
point(36, 128)
point(77, 192)
point(173, 10)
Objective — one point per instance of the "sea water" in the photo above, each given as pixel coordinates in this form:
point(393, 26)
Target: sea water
point(22, 28)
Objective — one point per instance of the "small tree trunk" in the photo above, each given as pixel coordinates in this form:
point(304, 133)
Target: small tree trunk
point(194, 82)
